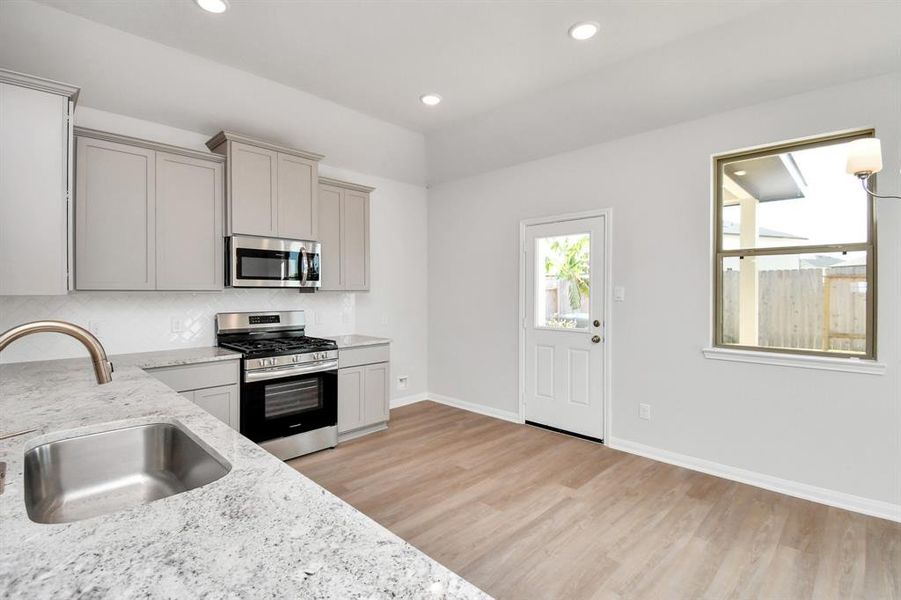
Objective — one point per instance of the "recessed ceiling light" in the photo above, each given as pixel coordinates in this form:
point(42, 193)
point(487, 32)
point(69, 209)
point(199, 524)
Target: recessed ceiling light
point(584, 30)
point(213, 6)
point(430, 99)
point(741, 173)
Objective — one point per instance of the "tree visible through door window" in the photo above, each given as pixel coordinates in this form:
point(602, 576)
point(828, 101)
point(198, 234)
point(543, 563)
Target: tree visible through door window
point(563, 283)
point(794, 251)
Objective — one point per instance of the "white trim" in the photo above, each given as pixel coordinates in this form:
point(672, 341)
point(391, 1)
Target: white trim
point(827, 363)
point(41, 84)
point(497, 413)
point(411, 399)
point(607, 213)
point(859, 504)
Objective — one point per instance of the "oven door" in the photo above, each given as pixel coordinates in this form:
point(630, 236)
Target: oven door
point(274, 406)
point(272, 262)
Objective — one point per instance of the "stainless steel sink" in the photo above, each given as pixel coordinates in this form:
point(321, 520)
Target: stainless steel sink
point(99, 473)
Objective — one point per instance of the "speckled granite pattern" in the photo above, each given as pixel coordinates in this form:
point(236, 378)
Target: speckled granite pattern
point(262, 531)
point(356, 341)
point(174, 358)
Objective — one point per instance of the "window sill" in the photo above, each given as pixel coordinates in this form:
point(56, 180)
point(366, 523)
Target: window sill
point(826, 363)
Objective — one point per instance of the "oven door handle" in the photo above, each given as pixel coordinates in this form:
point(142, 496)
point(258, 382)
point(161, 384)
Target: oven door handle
point(282, 372)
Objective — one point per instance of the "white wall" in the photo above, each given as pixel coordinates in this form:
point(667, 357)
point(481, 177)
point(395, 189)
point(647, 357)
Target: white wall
point(125, 74)
point(838, 431)
point(142, 321)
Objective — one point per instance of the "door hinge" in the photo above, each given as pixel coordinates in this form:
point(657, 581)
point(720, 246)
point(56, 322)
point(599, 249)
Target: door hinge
point(524, 322)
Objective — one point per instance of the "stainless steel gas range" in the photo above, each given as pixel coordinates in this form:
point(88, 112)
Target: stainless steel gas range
point(289, 381)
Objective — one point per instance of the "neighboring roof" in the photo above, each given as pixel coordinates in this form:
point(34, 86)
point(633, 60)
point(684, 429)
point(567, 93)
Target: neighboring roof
point(769, 178)
point(732, 228)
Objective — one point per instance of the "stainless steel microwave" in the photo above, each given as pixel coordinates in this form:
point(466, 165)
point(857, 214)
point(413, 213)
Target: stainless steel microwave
point(272, 262)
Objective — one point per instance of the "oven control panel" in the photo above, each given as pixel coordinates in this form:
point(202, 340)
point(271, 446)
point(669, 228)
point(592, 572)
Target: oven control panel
point(288, 360)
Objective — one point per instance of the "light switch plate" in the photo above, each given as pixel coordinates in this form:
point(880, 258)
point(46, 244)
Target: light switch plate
point(619, 293)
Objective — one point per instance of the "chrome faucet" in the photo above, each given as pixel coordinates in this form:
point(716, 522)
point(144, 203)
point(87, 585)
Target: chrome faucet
point(103, 368)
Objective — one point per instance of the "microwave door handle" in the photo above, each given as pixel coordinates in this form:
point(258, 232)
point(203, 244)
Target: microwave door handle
point(304, 269)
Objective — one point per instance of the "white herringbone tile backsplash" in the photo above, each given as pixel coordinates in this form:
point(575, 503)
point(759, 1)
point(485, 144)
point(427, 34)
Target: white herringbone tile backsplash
point(143, 321)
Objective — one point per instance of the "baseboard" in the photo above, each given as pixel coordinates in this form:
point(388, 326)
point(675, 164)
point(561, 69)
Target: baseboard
point(867, 506)
point(476, 408)
point(411, 399)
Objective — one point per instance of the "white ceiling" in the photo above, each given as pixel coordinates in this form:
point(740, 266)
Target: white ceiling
point(379, 56)
point(515, 86)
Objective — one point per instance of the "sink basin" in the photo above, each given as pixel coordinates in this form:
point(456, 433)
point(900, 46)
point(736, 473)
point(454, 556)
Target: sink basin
point(99, 473)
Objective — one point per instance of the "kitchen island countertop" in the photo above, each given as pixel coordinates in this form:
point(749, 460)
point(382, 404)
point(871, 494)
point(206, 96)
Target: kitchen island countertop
point(262, 530)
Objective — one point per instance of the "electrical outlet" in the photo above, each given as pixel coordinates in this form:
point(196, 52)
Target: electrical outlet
point(345, 318)
point(644, 411)
point(384, 318)
point(317, 318)
point(619, 293)
point(176, 325)
point(403, 382)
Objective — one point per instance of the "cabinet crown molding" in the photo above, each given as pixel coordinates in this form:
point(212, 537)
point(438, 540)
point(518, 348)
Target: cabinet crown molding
point(39, 83)
point(149, 145)
point(345, 184)
point(231, 136)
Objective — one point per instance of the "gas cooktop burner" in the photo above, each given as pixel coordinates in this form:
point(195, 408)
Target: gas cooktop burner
point(276, 346)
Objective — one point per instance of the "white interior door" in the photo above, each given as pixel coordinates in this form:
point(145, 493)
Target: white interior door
point(564, 325)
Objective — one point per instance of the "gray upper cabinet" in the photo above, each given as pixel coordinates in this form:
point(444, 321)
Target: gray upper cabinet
point(35, 178)
point(148, 215)
point(330, 237)
point(298, 198)
point(115, 211)
point(189, 250)
point(344, 234)
point(272, 190)
point(253, 197)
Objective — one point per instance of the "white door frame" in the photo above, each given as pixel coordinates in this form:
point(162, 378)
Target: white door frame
point(607, 213)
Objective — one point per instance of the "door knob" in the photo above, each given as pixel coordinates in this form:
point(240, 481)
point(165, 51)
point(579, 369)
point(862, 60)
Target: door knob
point(596, 339)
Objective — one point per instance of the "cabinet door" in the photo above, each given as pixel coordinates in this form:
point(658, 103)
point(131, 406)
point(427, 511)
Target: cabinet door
point(189, 243)
point(375, 407)
point(115, 214)
point(351, 393)
point(298, 198)
point(355, 240)
point(330, 237)
point(253, 202)
point(34, 147)
point(221, 402)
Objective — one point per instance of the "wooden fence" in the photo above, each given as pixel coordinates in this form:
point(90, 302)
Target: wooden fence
point(823, 309)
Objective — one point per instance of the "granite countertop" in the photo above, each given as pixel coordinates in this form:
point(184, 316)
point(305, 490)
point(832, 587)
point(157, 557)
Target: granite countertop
point(262, 530)
point(356, 341)
point(174, 358)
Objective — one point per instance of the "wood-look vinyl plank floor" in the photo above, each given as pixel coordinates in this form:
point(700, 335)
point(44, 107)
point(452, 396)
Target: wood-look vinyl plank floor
point(527, 513)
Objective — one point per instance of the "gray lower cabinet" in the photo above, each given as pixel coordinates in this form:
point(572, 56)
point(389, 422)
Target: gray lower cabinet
point(212, 386)
point(35, 177)
point(362, 391)
point(344, 234)
point(148, 215)
point(221, 402)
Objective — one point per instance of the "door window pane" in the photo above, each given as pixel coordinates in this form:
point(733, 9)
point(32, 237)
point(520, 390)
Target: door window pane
point(562, 282)
point(795, 198)
point(796, 301)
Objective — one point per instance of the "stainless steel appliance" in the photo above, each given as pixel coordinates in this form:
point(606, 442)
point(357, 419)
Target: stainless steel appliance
point(272, 262)
point(289, 381)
